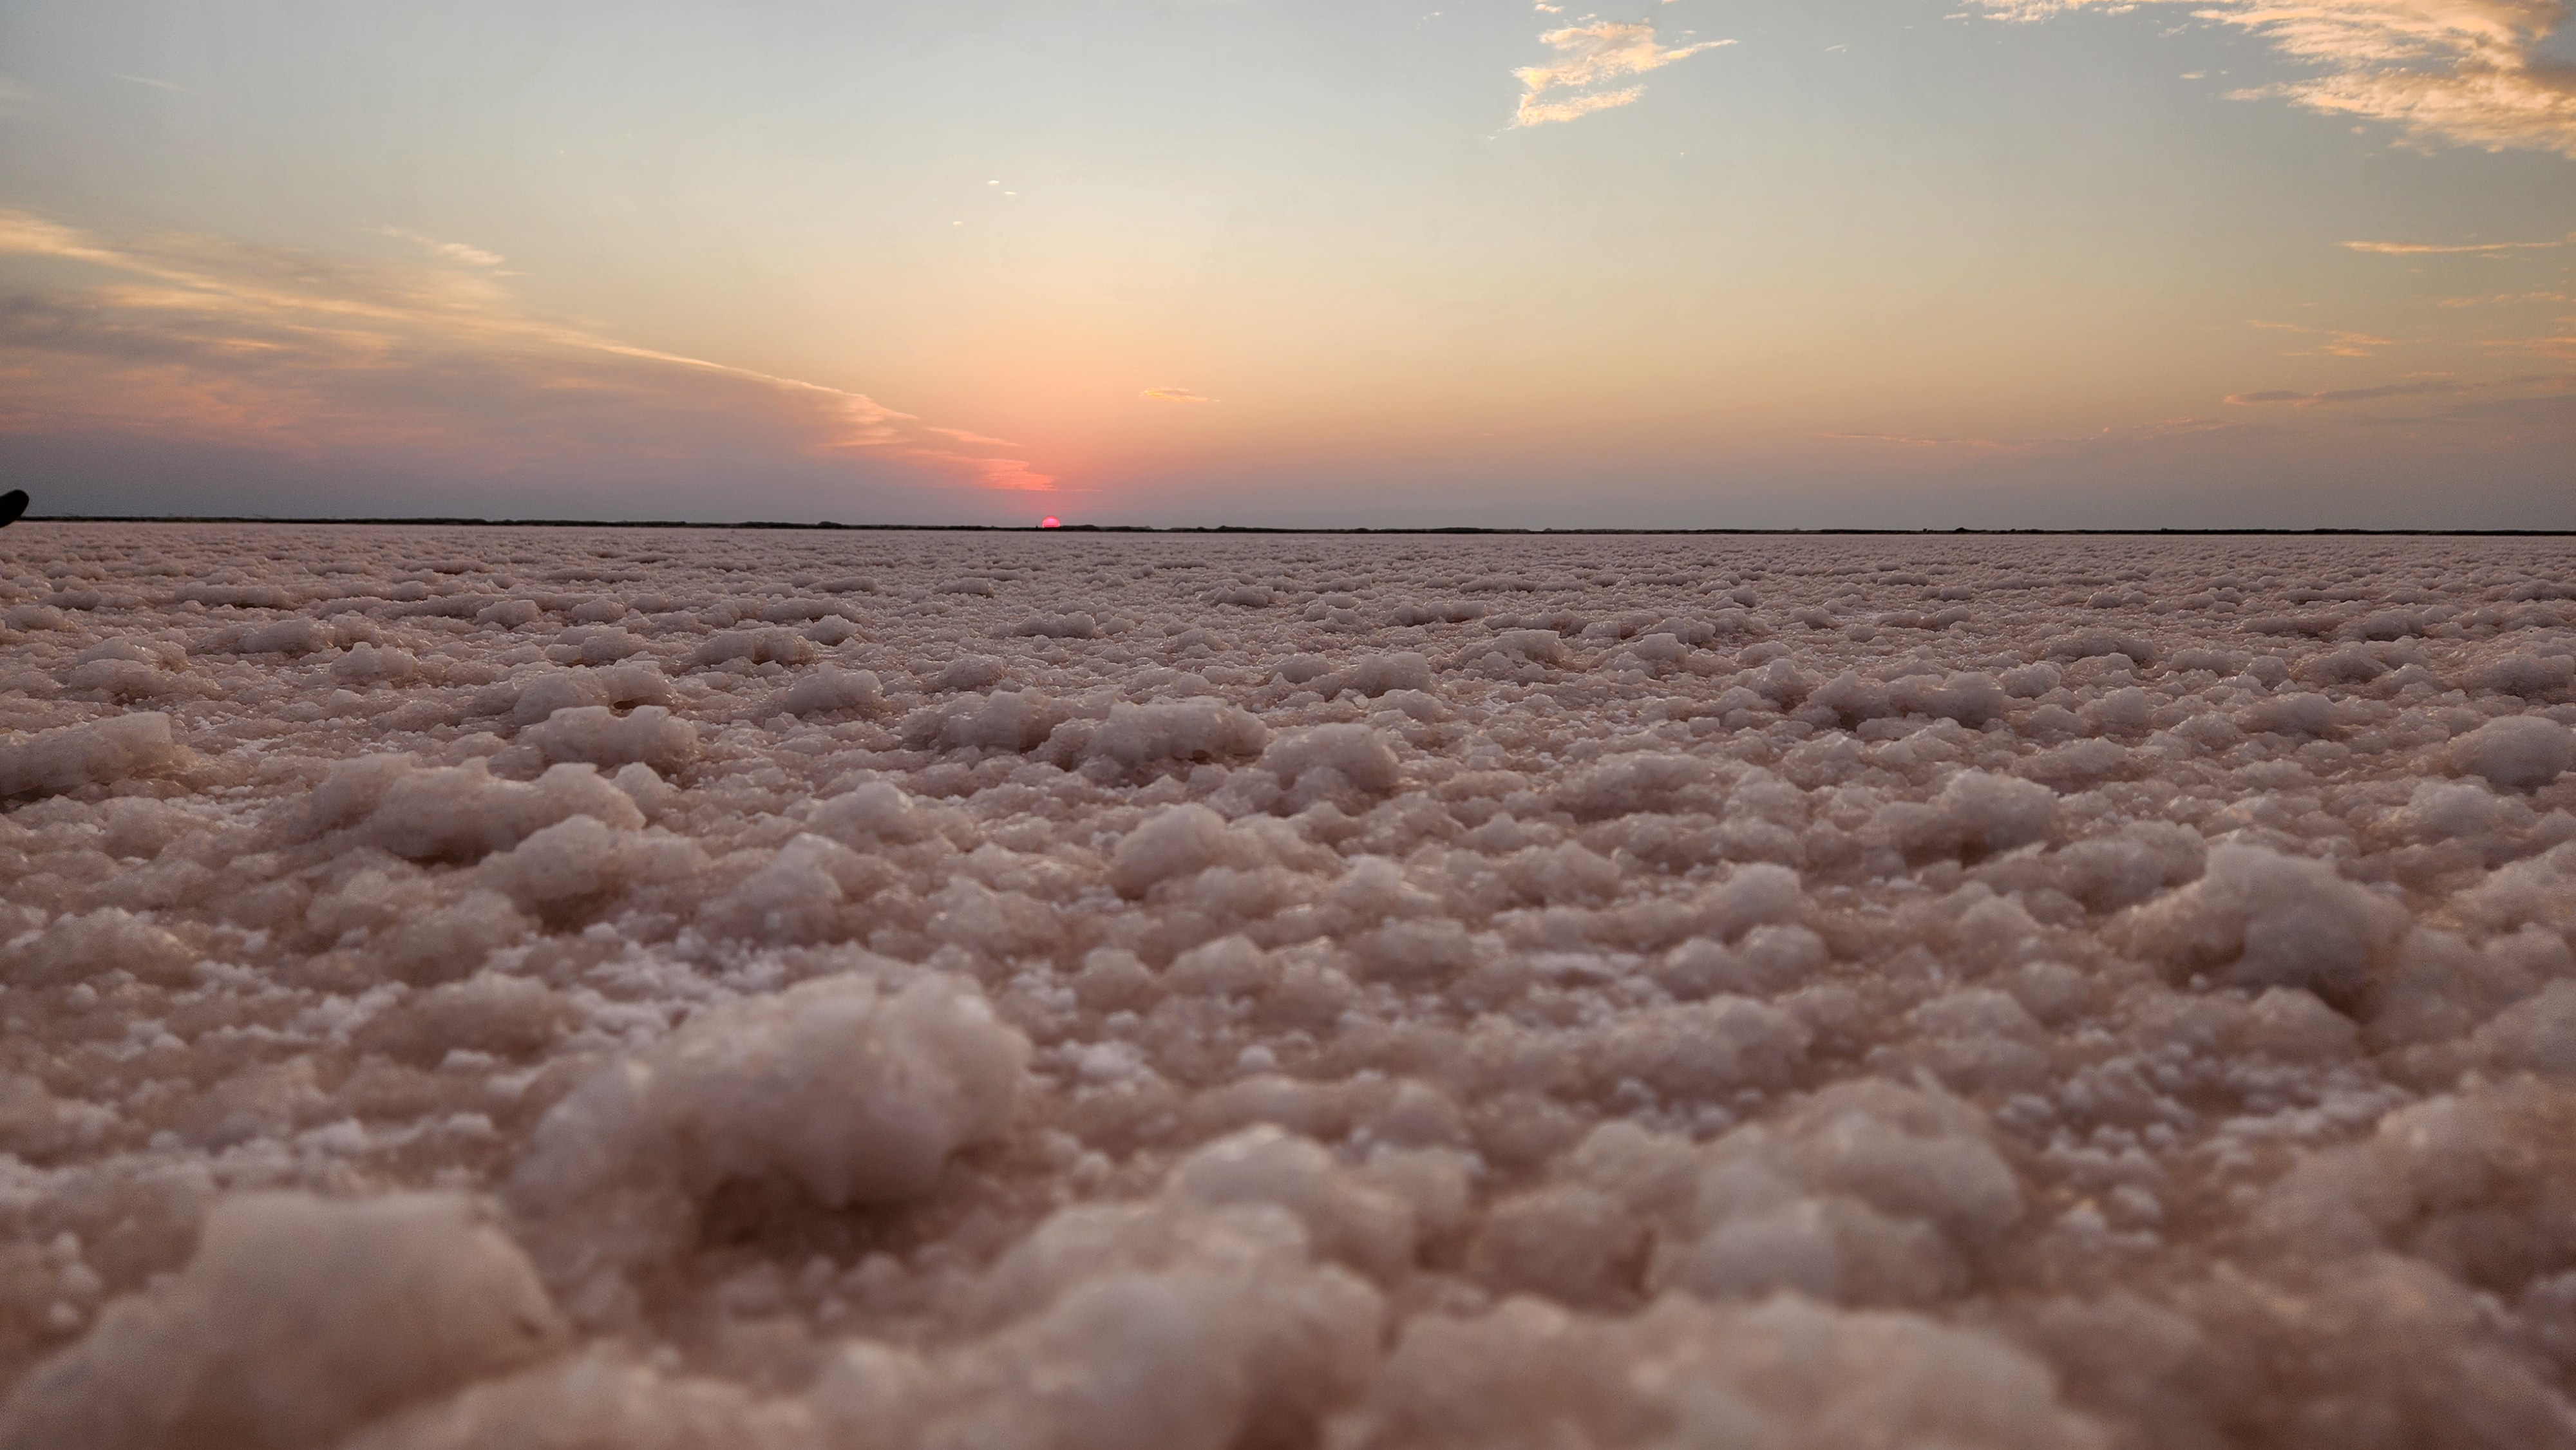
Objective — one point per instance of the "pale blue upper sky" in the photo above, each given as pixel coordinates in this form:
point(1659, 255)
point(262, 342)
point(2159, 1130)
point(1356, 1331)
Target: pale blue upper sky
point(1261, 261)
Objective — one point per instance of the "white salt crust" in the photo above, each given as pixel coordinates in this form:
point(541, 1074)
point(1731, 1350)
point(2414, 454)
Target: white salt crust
point(830, 991)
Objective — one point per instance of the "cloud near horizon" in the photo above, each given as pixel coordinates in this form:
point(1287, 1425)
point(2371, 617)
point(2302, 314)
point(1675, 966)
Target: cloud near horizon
point(208, 340)
point(2409, 388)
point(2426, 249)
point(1589, 55)
point(1175, 395)
point(2121, 436)
point(2464, 72)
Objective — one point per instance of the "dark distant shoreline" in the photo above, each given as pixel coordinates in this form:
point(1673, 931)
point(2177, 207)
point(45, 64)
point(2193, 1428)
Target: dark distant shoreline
point(1284, 529)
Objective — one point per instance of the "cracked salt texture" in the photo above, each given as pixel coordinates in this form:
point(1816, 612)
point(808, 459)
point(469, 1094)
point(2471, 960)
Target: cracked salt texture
point(685, 988)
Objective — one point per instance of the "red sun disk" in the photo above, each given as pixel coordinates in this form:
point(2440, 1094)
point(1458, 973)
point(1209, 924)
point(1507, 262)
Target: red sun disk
point(1051, 522)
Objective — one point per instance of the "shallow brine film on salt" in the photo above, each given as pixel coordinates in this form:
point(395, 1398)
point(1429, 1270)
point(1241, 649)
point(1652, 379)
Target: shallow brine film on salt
point(668, 988)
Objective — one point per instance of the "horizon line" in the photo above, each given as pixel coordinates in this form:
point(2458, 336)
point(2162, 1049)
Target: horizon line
point(828, 525)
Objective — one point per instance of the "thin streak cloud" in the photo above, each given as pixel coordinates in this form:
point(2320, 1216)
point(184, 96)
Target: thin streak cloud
point(2409, 388)
point(1175, 395)
point(2111, 437)
point(158, 85)
point(2426, 249)
point(453, 251)
point(2334, 344)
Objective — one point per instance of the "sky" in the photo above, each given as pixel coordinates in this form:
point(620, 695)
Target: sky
point(1699, 263)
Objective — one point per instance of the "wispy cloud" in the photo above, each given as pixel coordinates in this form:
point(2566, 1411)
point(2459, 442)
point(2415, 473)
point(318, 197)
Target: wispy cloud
point(205, 338)
point(2427, 387)
point(2465, 72)
point(2130, 435)
point(1925, 440)
point(1175, 395)
point(2558, 344)
point(2506, 299)
point(2437, 387)
point(2335, 344)
point(452, 251)
point(2426, 249)
point(172, 86)
point(1592, 55)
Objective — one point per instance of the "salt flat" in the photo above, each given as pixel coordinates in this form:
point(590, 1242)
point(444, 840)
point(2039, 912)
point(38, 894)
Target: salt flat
point(595, 987)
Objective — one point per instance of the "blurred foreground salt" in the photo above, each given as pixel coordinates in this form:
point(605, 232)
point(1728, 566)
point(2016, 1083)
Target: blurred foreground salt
point(654, 988)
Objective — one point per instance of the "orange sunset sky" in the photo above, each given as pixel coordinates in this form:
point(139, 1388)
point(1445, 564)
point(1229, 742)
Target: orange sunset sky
point(1979, 262)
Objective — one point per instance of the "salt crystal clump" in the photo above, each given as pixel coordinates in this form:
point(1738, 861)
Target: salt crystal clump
point(414, 933)
point(594, 733)
point(364, 664)
point(2096, 644)
point(1788, 1373)
point(298, 1320)
point(2535, 1035)
point(590, 645)
point(296, 636)
point(1345, 1218)
point(1867, 1194)
point(2129, 866)
point(800, 896)
point(1751, 896)
point(128, 669)
point(2445, 810)
point(872, 812)
point(1222, 1308)
point(1324, 757)
point(2532, 676)
point(598, 1399)
point(458, 813)
point(2260, 919)
point(1138, 737)
point(2516, 752)
point(971, 672)
point(2304, 713)
point(1235, 1337)
point(1538, 646)
point(40, 1128)
point(1076, 625)
point(574, 858)
point(1180, 842)
point(102, 752)
point(1971, 699)
point(832, 688)
point(1976, 811)
point(622, 685)
point(1769, 959)
point(507, 1017)
point(1849, 700)
point(77, 948)
point(1702, 1051)
point(1005, 719)
point(847, 1092)
point(753, 646)
point(2441, 985)
point(1982, 1039)
point(2471, 1182)
point(2540, 891)
point(1379, 674)
point(1626, 784)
